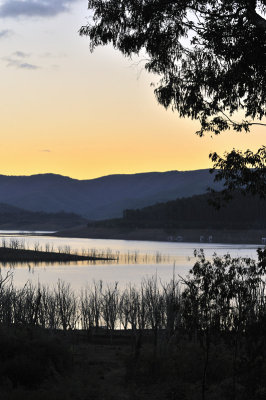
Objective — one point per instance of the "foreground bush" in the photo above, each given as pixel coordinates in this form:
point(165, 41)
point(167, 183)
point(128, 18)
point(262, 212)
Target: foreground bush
point(31, 357)
point(202, 336)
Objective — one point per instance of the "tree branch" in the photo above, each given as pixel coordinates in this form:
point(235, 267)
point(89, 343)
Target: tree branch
point(257, 20)
point(256, 123)
point(254, 17)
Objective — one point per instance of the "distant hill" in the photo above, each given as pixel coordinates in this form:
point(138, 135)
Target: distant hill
point(104, 197)
point(243, 212)
point(16, 218)
point(243, 220)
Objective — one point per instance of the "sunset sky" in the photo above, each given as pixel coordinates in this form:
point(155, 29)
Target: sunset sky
point(67, 111)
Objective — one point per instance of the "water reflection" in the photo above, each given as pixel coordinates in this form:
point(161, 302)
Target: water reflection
point(134, 260)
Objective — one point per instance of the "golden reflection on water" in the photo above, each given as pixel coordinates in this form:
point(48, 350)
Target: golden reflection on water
point(128, 261)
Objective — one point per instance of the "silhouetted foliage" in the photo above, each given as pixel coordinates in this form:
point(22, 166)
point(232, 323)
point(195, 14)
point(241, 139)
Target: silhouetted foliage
point(224, 297)
point(30, 358)
point(209, 55)
point(15, 251)
point(245, 172)
point(205, 330)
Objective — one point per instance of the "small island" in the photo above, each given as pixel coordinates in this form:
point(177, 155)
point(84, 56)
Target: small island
point(8, 254)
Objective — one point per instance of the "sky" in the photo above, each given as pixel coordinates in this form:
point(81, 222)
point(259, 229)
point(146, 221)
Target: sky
point(67, 111)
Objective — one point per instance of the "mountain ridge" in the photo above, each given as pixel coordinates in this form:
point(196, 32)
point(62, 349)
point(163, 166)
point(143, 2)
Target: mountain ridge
point(103, 197)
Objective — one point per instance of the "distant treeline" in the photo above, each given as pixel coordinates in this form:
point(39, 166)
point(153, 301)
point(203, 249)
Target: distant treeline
point(17, 218)
point(243, 212)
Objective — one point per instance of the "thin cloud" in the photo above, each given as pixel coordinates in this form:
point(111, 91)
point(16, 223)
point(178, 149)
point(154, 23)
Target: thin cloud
point(21, 54)
point(45, 151)
point(11, 62)
point(19, 59)
point(5, 33)
point(52, 55)
point(46, 55)
point(34, 8)
point(27, 66)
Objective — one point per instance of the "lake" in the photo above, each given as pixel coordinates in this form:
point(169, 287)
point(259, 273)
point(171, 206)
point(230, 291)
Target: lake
point(137, 259)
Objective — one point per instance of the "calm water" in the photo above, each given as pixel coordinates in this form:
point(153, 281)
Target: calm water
point(138, 259)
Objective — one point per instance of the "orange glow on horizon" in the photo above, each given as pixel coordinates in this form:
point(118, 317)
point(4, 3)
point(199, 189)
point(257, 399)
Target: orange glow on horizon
point(87, 115)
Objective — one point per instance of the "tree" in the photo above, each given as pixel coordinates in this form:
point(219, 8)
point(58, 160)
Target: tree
point(223, 298)
point(244, 172)
point(210, 56)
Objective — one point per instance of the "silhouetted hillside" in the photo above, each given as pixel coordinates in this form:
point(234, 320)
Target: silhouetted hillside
point(16, 218)
point(104, 197)
point(195, 212)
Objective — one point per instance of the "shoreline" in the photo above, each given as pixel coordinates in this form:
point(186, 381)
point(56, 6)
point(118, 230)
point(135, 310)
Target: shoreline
point(228, 236)
point(8, 254)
